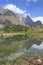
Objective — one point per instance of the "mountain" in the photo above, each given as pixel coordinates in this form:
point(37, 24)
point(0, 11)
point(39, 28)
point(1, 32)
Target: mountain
point(38, 23)
point(28, 21)
point(8, 18)
point(6, 12)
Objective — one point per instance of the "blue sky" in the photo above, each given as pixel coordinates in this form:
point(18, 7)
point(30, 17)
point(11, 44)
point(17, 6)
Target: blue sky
point(32, 7)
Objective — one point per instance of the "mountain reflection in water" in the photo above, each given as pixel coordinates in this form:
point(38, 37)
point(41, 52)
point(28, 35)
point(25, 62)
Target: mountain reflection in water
point(36, 48)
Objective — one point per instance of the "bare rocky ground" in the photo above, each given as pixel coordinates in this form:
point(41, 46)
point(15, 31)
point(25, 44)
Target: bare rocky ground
point(29, 61)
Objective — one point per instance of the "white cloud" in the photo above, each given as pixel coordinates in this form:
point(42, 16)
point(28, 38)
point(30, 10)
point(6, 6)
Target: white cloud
point(25, 15)
point(38, 46)
point(38, 18)
point(32, 1)
point(14, 8)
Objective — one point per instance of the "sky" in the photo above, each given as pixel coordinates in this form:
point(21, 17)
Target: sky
point(33, 8)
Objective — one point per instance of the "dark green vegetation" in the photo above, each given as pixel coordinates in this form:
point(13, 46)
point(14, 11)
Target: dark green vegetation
point(33, 32)
point(15, 28)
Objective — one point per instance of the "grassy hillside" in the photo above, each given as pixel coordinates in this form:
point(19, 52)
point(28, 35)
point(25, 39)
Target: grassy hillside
point(33, 33)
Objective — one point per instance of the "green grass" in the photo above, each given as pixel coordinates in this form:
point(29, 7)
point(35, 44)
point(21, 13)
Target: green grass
point(35, 33)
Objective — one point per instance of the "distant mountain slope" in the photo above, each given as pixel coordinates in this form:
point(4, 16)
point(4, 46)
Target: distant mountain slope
point(28, 21)
point(38, 23)
point(6, 12)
